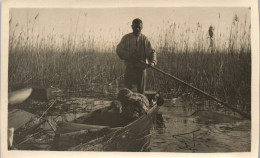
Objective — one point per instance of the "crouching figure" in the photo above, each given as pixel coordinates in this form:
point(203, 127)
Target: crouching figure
point(130, 104)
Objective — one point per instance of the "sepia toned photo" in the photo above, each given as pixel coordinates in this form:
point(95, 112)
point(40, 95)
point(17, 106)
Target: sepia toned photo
point(130, 79)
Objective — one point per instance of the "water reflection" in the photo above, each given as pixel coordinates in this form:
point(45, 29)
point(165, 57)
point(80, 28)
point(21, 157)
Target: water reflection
point(159, 124)
point(182, 128)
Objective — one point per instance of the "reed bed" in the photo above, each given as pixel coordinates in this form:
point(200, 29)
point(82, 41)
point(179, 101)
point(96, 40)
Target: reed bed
point(215, 62)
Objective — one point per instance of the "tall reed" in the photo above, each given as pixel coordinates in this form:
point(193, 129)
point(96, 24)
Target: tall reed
point(88, 61)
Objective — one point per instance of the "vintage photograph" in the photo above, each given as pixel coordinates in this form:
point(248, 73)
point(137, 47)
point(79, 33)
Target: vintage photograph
point(135, 79)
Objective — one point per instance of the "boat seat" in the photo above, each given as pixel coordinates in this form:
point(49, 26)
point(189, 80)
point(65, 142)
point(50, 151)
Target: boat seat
point(67, 127)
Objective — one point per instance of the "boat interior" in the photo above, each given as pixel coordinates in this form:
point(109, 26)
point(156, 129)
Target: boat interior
point(103, 118)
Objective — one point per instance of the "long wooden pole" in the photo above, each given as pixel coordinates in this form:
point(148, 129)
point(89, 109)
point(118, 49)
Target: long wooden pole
point(244, 114)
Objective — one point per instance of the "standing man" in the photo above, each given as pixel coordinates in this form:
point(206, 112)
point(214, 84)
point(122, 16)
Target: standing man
point(134, 47)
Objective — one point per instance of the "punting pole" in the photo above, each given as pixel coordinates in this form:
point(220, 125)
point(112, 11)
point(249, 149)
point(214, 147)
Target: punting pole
point(244, 114)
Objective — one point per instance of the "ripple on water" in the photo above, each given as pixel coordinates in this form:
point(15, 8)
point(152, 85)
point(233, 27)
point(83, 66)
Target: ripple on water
point(205, 131)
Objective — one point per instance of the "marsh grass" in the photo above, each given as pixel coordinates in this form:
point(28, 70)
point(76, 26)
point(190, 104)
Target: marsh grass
point(91, 64)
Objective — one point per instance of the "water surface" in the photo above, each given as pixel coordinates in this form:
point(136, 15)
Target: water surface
point(179, 129)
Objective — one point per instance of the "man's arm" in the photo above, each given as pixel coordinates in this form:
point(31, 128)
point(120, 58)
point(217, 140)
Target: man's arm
point(151, 54)
point(120, 50)
point(153, 58)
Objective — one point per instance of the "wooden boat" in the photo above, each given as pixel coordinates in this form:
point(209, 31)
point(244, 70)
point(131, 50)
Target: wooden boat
point(113, 133)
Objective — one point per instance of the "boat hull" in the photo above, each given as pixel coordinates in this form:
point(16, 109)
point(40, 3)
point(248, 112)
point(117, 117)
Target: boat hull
point(132, 137)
